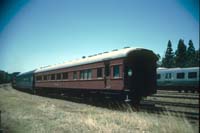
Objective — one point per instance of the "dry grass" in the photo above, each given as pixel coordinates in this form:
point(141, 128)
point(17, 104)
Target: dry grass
point(22, 112)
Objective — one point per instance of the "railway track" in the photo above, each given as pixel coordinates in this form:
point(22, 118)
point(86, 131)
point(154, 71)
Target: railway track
point(176, 96)
point(164, 111)
point(149, 106)
point(176, 93)
point(173, 104)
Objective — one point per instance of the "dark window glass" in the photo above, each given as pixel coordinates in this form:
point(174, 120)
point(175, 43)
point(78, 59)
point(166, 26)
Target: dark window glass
point(38, 78)
point(74, 75)
point(49, 77)
point(180, 75)
point(170, 75)
point(166, 76)
point(107, 70)
point(192, 75)
point(116, 71)
point(99, 72)
point(52, 76)
point(58, 76)
point(45, 77)
point(158, 76)
point(65, 75)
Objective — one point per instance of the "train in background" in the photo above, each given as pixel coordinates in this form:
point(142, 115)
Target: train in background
point(24, 81)
point(128, 74)
point(178, 79)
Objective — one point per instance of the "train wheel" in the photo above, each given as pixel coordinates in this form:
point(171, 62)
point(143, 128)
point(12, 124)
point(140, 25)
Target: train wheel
point(186, 91)
point(179, 91)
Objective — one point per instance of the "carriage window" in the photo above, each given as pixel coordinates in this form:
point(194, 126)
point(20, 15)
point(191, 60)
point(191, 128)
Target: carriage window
point(130, 73)
point(99, 72)
point(116, 71)
point(86, 74)
point(48, 77)
point(58, 76)
point(81, 74)
point(52, 76)
point(39, 78)
point(45, 77)
point(192, 75)
point(180, 75)
point(74, 75)
point(158, 76)
point(89, 74)
point(168, 76)
point(65, 75)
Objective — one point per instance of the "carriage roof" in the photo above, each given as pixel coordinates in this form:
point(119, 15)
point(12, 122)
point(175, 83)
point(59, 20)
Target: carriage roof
point(91, 59)
point(177, 69)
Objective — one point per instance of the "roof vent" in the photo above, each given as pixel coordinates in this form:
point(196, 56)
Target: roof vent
point(83, 57)
point(105, 52)
point(126, 47)
point(114, 49)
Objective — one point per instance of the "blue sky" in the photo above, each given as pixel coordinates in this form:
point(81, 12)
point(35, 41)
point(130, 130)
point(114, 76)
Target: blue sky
point(36, 33)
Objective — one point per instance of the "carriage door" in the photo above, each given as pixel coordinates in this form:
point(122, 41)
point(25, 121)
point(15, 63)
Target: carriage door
point(107, 75)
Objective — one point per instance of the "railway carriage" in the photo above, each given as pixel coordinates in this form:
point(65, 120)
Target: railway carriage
point(178, 79)
point(25, 81)
point(129, 73)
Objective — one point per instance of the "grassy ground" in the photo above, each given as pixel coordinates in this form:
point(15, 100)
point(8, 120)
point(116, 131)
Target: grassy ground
point(22, 112)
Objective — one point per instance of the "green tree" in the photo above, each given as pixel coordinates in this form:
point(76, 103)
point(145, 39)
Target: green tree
point(197, 58)
point(190, 54)
point(181, 54)
point(168, 60)
point(158, 61)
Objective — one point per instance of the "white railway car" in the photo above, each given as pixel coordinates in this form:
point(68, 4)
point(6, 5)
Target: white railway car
point(186, 79)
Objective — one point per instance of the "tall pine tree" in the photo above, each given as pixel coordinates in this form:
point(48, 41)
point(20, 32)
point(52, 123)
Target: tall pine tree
point(197, 59)
point(181, 55)
point(168, 60)
point(190, 54)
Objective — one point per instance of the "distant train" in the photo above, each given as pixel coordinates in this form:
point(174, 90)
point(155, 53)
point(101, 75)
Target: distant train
point(178, 79)
point(128, 74)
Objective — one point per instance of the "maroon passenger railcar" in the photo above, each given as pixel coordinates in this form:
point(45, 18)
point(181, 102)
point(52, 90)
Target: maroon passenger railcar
point(129, 72)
